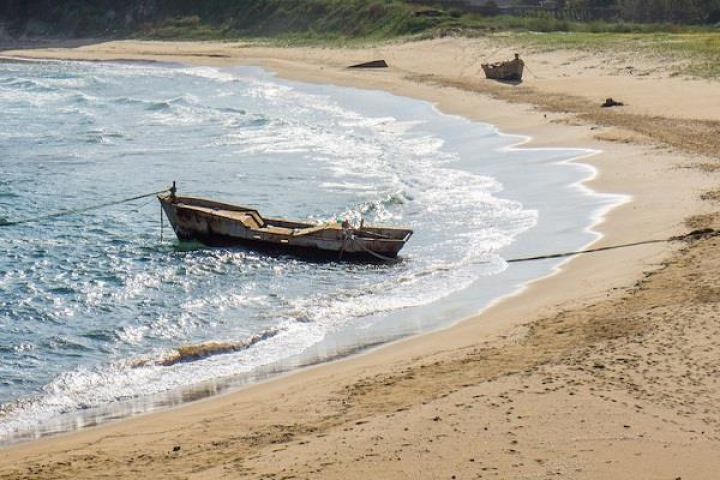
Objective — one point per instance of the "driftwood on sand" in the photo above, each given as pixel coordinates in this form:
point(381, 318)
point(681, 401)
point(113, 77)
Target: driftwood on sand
point(609, 102)
point(371, 64)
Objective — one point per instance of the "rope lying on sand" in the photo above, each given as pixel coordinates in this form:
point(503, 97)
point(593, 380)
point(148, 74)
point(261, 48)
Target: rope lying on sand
point(694, 235)
point(75, 211)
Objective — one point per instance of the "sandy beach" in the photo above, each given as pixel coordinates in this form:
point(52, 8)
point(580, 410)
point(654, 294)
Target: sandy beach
point(607, 369)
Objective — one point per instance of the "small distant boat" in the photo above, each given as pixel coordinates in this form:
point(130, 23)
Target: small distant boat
point(511, 70)
point(219, 224)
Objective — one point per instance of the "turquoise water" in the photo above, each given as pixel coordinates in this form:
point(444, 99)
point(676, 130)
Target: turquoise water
point(94, 307)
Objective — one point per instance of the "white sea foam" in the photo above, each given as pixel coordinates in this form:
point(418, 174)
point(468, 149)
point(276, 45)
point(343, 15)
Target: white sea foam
point(378, 167)
point(85, 388)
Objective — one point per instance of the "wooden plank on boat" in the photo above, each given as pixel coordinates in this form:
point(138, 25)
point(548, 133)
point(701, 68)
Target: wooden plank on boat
point(309, 231)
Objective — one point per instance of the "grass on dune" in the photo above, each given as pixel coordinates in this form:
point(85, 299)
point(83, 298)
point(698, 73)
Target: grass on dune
point(356, 23)
point(700, 51)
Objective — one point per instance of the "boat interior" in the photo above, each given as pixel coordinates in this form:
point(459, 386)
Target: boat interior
point(251, 219)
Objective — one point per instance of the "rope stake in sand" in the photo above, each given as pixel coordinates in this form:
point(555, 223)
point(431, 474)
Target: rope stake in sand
point(76, 211)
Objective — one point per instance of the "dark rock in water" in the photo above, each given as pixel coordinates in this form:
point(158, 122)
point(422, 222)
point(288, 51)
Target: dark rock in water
point(609, 102)
point(372, 64)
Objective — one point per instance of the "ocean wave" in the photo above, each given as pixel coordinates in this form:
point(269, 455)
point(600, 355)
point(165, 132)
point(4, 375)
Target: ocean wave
point(84, 388)
point(102, 137)
point(379, 209)
point(161, 316)
point(154, 104)
point(239, 111)
point(200, 351)
point(209, 73)
point(36, 99)
point(181, 113)
point(184, 100)
point(27, 84)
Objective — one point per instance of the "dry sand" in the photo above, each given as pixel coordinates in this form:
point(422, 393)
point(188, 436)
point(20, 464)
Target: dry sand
point(605, 370)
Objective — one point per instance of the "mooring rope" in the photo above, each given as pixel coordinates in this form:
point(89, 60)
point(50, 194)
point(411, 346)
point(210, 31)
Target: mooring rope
point(704, 233)
point(531, 72)
point(75, 211)
point(695, 234)
point(374, 254)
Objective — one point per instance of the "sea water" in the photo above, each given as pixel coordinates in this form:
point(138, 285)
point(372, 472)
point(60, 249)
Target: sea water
point(96, 310)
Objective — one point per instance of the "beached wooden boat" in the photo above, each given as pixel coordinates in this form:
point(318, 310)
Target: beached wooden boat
point(219, 224)
point(512, 70)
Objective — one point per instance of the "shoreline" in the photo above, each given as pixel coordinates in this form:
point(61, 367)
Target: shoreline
point(570, 290)
point(428, 317)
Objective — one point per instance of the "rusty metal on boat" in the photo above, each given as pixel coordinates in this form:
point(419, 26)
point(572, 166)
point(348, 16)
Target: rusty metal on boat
point(220, 224)
point(509, 71)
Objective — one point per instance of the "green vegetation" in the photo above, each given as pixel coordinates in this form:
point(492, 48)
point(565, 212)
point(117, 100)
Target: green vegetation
point(549, 23)
point(341, 22)
point(698, 50)
point(293, 18)
point(217, 19)
point(323, 20)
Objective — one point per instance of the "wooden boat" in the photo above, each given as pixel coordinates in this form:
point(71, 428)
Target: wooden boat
point(511, 70)
point(220, 224)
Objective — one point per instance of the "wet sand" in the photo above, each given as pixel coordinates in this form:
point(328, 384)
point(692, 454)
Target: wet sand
point(604, 370)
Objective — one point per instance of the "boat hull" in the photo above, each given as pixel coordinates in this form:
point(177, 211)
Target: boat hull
point(221, 225)
point(510, 71)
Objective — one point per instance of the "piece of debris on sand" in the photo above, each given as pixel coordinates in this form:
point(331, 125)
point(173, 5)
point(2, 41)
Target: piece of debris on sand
point(372, 64)
point(609, 102)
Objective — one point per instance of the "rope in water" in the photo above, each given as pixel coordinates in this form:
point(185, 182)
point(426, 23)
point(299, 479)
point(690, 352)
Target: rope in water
point(76, 211)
